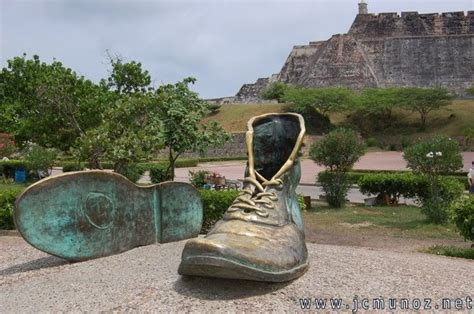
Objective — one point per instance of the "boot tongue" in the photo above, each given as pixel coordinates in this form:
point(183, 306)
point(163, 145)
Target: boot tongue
point(273, 141)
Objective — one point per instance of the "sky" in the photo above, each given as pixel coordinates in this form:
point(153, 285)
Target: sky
point(223, 44)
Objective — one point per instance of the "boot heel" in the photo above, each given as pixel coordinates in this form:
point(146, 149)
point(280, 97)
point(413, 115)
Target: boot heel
point(91, 214)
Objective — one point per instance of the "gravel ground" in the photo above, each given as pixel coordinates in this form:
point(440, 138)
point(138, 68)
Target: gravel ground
point(145, 279)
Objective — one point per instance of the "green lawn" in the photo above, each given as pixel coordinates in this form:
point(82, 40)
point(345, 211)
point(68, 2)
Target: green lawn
point(449, 121)
point(401, 221)
point(4, 186)
point(234, 117)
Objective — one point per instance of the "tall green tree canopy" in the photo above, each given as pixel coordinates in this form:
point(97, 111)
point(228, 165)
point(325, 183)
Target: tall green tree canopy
point(424, 100)
point(379, 102)
point(181, 111)
point(322, 100)
point(47, 104)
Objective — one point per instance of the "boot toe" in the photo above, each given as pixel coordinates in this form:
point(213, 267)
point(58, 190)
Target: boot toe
point(240, 250)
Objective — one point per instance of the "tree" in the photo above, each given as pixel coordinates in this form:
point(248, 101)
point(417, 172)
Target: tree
point(47, 104)
point(424, 100)
point(274, 91)
point(128, 78)
point(130, 132)
point(379, 102)
point(181, 112)
point(321, 100)
point(468, 138)
point(338, 152)
point(470, 91)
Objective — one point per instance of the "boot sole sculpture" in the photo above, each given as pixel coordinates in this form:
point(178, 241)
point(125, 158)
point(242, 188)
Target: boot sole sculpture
point(90, 214)
point(261, 234)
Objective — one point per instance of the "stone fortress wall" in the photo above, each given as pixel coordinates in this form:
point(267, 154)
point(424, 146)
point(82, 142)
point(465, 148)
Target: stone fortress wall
point(384, 50)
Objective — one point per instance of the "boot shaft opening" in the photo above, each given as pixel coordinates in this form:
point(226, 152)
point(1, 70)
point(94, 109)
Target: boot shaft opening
point(274, 139)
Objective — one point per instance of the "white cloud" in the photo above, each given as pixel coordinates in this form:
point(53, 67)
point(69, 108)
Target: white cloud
point(222, 43)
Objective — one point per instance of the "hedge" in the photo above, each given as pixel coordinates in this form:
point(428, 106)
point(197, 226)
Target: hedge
point(215, 203)
point(392, 185)
point(8, 167)
point(7, 204)
point(408, 185)
point(355, 176)
point(158, 172)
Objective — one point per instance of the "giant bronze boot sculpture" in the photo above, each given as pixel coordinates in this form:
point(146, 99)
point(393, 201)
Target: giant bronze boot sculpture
point(261, 235)
point(90, 214)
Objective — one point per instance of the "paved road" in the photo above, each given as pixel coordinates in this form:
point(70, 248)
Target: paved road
point(234, 170)
point(373, 161)
point(146, 279)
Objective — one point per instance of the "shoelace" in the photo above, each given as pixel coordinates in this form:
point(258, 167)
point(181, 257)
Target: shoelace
point(249, 202)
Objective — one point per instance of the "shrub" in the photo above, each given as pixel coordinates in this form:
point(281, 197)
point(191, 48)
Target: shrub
point(432, 158)
point(435, 156)
point(215, 203)
point(197, 177)
point(8, 167)
point(338, 152)
point(371, 142)
point(158, 173)
point(335, 186)
point(275, 90)
point(41, 160)
point(437, 198)
point(72, 166)
point(7, 204)
point(463, 216)
point(392, 185)
point(301, 202)
point(184, 163)
point(133, 172)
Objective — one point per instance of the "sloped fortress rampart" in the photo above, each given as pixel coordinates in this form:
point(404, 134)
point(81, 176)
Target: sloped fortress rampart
point(385, 50)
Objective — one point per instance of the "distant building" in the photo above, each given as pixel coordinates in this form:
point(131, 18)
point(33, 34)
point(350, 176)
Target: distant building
point(384, 50)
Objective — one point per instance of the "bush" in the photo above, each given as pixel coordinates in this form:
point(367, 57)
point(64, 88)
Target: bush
point(197, 177)
point(7, 204)
point(338, 151)
point(158, 173)
point(437, 198)
point(463, 216)
point(275, 90)
point(133, 172)
point(215, 203)
point(372, 142)
point(392, 185)
point(8, 167)
point(435, 156)
point(335, 186)
point(72, 166)
point(432, 158)
point(41, 160)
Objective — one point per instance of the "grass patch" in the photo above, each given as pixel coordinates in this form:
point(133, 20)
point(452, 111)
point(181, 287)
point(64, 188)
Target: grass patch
point(449, 250)
point(449, 121)
point(9, 186)
point(234, 117)
point(400, 221)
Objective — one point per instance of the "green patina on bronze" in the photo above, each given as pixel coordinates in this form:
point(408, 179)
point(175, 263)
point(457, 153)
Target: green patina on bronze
point(261, 236)
point(90, 214)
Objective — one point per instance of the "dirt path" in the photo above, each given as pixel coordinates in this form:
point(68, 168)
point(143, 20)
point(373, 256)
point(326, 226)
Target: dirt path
point(359, 238)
